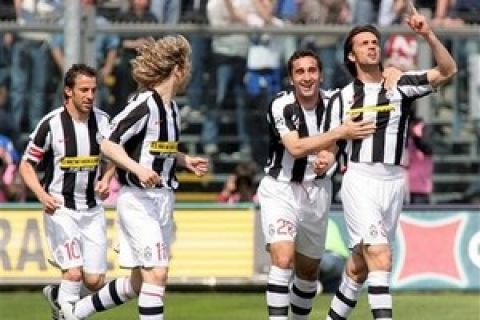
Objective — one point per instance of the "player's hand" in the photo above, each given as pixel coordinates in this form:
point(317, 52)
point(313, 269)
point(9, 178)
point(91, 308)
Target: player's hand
point(323, 161)
point(148, 178)
point(353, 129)
point(416, 21)
point(49, 203)
point(197, 165)
point(230, 184)
point(102, 189)
point(391, 76)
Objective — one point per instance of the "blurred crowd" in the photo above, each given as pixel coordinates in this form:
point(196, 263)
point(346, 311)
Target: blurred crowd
point(247, 72)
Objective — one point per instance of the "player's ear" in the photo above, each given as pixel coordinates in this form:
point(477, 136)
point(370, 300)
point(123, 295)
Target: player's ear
point(351, 57)
point(68, 92)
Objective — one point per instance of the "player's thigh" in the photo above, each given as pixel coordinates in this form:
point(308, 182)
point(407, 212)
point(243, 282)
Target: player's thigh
point(313, 221)
point(363, 209)
point(395, 193)
point(278, 211)
point(63, 238)
point(94, 241)
point(142, 236)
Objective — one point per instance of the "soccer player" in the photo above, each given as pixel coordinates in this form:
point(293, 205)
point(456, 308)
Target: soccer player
point(373, 186)
point(295, 194)
point(67, 143)
point(143, 144)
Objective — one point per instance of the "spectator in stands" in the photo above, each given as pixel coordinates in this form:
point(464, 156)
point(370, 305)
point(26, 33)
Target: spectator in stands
point(240, 186)
point(6, 42)
point(420, 162)
point(7, 10)
point(314, 12)
point(229, 53)
point(195, 11)
point(391, 12)
point(10, 185)
point(365, 11)
point(106, 46)
point(138, 12)
point(7, 128)
point(263, 79)
point(30, 61)
point(166, 11)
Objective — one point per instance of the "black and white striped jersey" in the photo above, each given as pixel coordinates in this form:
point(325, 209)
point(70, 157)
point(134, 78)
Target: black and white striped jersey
point(390, 110)
point(70, 153)
point(284, 115)
point(149, 131)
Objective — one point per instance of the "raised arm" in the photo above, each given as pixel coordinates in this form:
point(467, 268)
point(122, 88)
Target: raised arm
point(446, 66)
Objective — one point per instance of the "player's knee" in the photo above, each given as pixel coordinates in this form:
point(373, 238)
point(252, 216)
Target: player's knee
point(156, 276)
point(379, 257)
point(309, 273)
point(94, 282)
point(73, 274)
point(283, 261)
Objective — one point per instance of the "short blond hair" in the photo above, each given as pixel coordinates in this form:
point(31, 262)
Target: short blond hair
point(157, 58)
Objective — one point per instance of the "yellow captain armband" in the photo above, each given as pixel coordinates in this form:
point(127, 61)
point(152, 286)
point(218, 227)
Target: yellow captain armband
point(380, 108)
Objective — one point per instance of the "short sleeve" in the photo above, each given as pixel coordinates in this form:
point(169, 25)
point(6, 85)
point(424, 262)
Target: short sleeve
point(39, 143)
point(128, 123)
point(414, 84)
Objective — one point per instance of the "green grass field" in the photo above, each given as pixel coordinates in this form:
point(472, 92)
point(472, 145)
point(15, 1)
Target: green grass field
point(251, 306)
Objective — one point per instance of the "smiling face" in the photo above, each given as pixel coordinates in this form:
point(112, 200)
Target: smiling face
point(305, 77)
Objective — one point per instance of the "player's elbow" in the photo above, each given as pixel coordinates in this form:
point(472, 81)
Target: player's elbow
point(448, 71)
point(24, 168)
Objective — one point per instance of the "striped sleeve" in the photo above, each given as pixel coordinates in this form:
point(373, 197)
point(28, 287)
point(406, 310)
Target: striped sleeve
point(334, 110)
point(40, 142)
point(414, 84)
point(283, 114)
point(129, 123)
point(103, 123)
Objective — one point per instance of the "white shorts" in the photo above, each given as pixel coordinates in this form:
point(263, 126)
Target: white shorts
point(78, 238)
point(296, 212)
point(146, 226)
point(372, 198)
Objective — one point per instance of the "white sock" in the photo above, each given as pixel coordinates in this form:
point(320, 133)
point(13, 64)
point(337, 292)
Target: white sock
point(379, 296)
point(277, 293)
point(113, 294)
point(150, 302)
point(301, 298)
point(345, 299)
point(69, 291)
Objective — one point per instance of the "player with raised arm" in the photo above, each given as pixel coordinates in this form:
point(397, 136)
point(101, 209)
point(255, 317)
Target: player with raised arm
point(373, 187)
point(295, 194)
